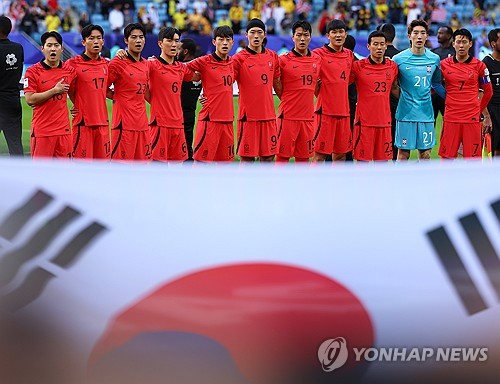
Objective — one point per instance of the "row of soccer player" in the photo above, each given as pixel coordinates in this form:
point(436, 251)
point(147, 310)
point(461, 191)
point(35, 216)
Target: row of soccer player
point(303, 129)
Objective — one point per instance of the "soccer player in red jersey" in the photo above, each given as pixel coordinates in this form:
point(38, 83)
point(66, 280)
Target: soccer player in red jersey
point(463, 76)
point(165, 78)
point(90, 120)
point(130, 133)
point(375, 79)
point(299, 74)
point(257, 72)
point(214, 139)
point(46, 85)
point(333, 132)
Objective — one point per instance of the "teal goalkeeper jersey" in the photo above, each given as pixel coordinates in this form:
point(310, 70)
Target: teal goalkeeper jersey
point(417, 75)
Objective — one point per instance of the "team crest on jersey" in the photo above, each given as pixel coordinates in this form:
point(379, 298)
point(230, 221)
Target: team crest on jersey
point(315, 67)
point(471, 74)
point(429, 69)
point(105, 70)
point(270, 65)
point(388, 75)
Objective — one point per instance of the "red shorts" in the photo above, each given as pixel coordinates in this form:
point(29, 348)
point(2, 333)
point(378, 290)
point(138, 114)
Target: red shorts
point(130, 145)
point(372, 143)
point(295, 138)
point(333, 134)
point(214, 141)
point(51, 146)
point(469, 134)
point(169, 144)
point(91, 142)
point(257, 138)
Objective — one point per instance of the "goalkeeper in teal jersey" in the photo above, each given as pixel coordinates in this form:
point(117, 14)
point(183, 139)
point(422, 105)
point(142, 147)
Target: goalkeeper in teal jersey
point(419, 71)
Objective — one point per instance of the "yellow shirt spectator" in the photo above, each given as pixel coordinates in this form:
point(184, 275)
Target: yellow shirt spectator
point(52, 22)
point(180, 20)
point(236, 13)
point(254, 14)
point(289, 5)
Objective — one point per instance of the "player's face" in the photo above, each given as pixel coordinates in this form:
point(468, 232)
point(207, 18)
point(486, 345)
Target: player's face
point(462, 45)
point(169, 47)
point(93, 44)
point(418, 37)
point(52, 51)
point(495, 45)
point(337, 37)
point(443, 35)
point(135, 42)
point(301, 39)
point(255, 38)
point(222, 46)
point(377, 47)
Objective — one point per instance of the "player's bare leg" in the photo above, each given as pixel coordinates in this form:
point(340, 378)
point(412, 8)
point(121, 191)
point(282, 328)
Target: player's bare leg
point(403, 155)
point(424, 155)
point(266, 159)
point(338, 156)
point(247, 159)
point(319, 157)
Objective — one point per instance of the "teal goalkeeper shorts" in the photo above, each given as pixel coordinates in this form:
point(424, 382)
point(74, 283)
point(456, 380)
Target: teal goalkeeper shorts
point(412, 135)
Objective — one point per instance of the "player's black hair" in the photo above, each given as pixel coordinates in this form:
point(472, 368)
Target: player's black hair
point(5, 25)
point(418, 23)
point(168, 33)
point(87, 30)
point(129, 28)
point(335, 24)
point(301, 24)
point(53, 34)
point(493, 35)
point(190, 45)
point(389, 31)
point(223, 31)
point(376, 34)
point(350, 42)
point(462, 32)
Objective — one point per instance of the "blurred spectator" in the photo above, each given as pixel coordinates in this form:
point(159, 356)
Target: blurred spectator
point(205, 26)
point(395, 11)
point(128, 14)
point(286, 23)
point(199, 6)
point(4, 7)
point(106, 5)
point(194, 22)
point(381, 11)
point(142, 15)
point(15, 14)
point(52, 20)
point(153, 15)
point(482, 19)
point(325, 19)
point(271, 25)
point(67, 21)
point(53, 4)
point(209, 12)
point(180, 19)
point(302, 9)
point(289, 6)
point(91, 6)
point(236, 16)
point(254, 13)
point(279, 15)
point(364, 16)
point(455, 22)
point(226, 4)
point(241, 45)
point(83, 22)
point(225, 21)
point(28, 23)
point(414, 11)
point(171, 9)
point(438, 14)
point(116, 19)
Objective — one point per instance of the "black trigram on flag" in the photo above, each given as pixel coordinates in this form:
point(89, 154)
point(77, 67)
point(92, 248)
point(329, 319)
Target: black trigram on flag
point(14, 256)
point(454, 266)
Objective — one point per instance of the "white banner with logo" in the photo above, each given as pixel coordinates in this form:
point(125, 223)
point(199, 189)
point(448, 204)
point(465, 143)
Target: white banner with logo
point(251, 274)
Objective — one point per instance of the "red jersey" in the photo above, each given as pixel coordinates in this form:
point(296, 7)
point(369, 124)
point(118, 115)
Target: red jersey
point(299, 75)
point(374, 82)
point(333, 98)
point(165, 86)
point(50, 118)
point(90, 90)
point(217, 77)
point(462, 83)
point(255, 74)
point(130, 78)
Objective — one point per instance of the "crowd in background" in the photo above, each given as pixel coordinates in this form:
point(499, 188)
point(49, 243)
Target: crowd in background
point(200, 17)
